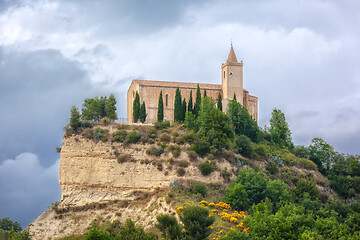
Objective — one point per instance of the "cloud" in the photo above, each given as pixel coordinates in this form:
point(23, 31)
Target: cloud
point(27, 188)
point(37, 89)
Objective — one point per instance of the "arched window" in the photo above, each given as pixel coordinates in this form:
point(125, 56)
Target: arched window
point(224, 74)
point(166, 100)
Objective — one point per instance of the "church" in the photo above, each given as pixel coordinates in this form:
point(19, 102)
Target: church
point(231, 83)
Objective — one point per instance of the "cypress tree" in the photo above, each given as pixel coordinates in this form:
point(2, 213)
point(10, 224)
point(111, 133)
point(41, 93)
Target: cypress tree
point(219, 102)
point(142, 114)
point(136, 107)
point(190, 104)
point(178, 106)
point(234, 98)
point(205, 93)
point(198, 101)
point(183, 110)
point(160, 113)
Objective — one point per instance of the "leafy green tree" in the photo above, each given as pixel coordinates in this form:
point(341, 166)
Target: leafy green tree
point(183, 112)
point(279, 130)
point(130, 232)
point(301, 151)
point(219, 102)
point(101, 105)
point(7, 224)
point(110, 107)
point(278, 192)
point(243, 122)
point(196, 222)
point(160, 113)
point(136, 108)
point(197, 105)
point(307, 187)
point(75, 122)
point(169, 227)
point(321, 153)
point(190, 103)
point(253, 183)
point(178, 106)
point(91, 109)
point(142, 115)
point(96, 234)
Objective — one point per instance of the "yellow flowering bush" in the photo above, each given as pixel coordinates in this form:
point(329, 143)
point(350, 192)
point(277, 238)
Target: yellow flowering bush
point(179, 209)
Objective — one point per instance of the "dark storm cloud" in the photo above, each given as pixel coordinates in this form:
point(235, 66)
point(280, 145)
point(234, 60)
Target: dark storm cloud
point(27, 188)
point(6, 4)
point(37, 90)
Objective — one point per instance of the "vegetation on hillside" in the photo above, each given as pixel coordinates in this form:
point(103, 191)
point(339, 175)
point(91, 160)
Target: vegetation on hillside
point(281, 191)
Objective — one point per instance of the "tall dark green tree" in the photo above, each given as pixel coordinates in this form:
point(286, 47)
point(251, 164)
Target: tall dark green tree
point(110, 107)
point(101, 105)
point(183, 112)
point(142, 115)
point(279, 130)
point(75, 122)
point(160, 112)
point(136, 107)
point(198, 101)
point(178, 106)
point(234, 98)
point(205, 93)
point(190, 104)
point(242, 121)
point(219, 102)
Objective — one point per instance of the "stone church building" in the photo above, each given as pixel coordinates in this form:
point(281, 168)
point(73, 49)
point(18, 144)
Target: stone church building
point(231, 83)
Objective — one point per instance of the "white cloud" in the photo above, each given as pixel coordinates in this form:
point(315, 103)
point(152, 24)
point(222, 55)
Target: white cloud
point(27, 187)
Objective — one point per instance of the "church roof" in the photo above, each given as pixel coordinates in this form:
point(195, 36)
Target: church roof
point(177, 84)
point(232, 57)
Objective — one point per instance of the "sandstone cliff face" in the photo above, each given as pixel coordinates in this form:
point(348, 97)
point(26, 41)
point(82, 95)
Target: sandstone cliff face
point(89, 171)
point(89, 174)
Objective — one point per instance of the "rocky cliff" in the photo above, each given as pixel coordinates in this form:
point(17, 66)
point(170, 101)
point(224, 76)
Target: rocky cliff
point(95, 182)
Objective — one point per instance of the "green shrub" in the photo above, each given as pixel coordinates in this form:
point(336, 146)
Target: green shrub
point(244, 146)
point(226, 175)
point(198, 188)
point(119, 136)
point(169, 227)
point(175, 150)
point(165, 138)
point(155, 151)
point(207, 167)
point(133, 137)
point(272, 167)
point(183, 163)
point(162, 125)
point(192, 155)
point(180, 171)
point(262, 151)
point(201, 147)
point(159, 166)
point(123, 158)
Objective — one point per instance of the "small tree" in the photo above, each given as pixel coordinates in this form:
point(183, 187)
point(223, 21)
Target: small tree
point(160, 113)
point(178, 106)
point(142, 115)
point(169, 227)
point(136, 107)
point(205, 93)
point(91, 109)
point(110, 107)
point(219, 102)
point(234, 98)
point(190, 104)
point(196, 222)
point(75, 122)
point(183, 112)
point(279, 130)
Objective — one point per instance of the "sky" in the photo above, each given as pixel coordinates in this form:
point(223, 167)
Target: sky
point(300, 56)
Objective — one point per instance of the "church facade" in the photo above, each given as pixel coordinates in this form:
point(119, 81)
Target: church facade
point(231, 83)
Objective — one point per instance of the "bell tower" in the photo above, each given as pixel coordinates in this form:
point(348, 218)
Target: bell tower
point(232, 79)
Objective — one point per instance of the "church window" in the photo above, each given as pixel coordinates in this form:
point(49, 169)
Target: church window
point(166, 99)
point(230, 74)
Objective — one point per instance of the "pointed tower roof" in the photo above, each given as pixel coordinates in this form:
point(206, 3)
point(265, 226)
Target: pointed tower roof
point(232, 57)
